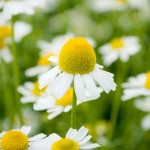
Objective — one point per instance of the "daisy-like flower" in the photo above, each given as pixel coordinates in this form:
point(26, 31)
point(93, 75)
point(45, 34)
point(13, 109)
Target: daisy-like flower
point(49, 49)
point(144, 105)
point(18, 139)
point(77, 64)
point(74, 140)
point(12, 8)
point(108, 5)
point(56, 106)
point(113, 5)
point(137, 86)
point(119, 48)
point(31, 92)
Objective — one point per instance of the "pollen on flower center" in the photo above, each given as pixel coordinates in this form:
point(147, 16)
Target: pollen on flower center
point(14, 140)
point(77, 56)
point(66, 99)
point(147, 82)
point(36, 91)
point(65, 144)
point(5, 31)
point(43, 61)
point(117, 43)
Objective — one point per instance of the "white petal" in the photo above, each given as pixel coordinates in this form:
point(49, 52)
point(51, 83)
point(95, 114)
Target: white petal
point(79, 87)
point(37, 137)
point(54, 114)
point(85, 140)
point(46, 78)
point(90, 86)
point(26, 129)
point(71, 133)
point(89, 146)
point(82, 132)
point(53, 59)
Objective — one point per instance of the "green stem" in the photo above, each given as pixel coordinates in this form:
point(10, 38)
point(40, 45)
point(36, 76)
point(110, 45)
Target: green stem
point(117, 98)
point(16, 74)
point(7, 94)
point(73, 112)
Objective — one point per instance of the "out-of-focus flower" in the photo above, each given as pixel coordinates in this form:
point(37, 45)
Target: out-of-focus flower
point(137, 86)
point(77, 62)
point(108, 5)
point(18, 139)
point(144, 105)
point(50, 49)
point(47, 50)
point(74, 140)
point(112, 5)
point(21, 29)
point(12, 8)
point(119, 48)
point(31, 92)
point(55, 106)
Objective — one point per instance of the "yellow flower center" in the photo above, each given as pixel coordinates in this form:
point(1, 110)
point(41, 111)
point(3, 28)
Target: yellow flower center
point(66, 99)
point(77, 56)
point(5, 31)
point(65, 144)
point(36, 91)
point(14, 140)
point(117, 43)
point(2, 43)
point(147, 82)
point(43, 61)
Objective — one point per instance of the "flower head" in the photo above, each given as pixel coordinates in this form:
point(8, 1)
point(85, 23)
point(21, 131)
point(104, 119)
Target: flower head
point(119, 48)
point(18, 139)
point(74, 140)
point(137, 86)
point(77, 63)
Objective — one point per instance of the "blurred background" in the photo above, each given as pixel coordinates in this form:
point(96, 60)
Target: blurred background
point(113, 123)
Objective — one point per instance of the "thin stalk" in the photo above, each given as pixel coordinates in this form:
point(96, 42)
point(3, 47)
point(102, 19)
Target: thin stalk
point(73, 112)
point(16, 74)
point(7, 94)
point(117, 98)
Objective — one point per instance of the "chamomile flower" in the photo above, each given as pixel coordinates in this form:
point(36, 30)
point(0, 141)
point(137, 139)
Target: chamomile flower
point(119, 48)
point(77, 64)
point(137, 86)
point(117, 5)
point(50, 49)
point(12, 8)
point(74, 140)
point(47, 50)
point(108, 5)
point(144, 105)
point(17, 139)
point(56, 106)
point(31, 92)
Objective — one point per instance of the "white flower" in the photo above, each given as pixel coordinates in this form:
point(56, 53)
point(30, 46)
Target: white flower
point(31, 92)
point(74, 140)
point(21, 29)
point(49, 49)
point(119, 48)
point(19, 138)
point(77, 64)
point(113, 5)
point(137, 86)
point(144, 105)
point(12, 8)
point(108, 5)
point(5, 54)
point(56, 106)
